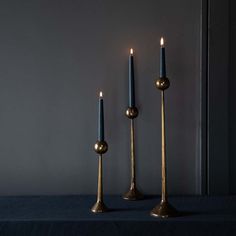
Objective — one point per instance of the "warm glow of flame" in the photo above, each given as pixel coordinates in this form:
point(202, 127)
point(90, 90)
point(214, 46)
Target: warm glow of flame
point(100, 94)
point(162, 41)
point(131, 51)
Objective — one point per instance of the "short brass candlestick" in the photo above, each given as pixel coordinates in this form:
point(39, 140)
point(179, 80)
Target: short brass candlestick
point(133, 193)
point(100, 148)
point(163, 209)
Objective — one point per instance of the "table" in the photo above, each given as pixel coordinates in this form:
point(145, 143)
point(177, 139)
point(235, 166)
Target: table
point(71, 216)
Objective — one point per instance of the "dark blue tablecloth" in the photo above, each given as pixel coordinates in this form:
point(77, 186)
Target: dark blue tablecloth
point(71, 216)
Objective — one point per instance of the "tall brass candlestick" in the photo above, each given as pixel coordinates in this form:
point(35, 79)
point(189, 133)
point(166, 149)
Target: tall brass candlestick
point(100, 147)
point(133, 193)
point(163, 209)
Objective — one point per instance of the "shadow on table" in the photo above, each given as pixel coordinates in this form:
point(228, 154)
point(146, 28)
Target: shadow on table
point(127, 209)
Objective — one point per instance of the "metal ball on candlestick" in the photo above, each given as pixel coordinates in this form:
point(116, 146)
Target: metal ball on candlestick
point(100, 147)
point(131, 112)
point(163, 83)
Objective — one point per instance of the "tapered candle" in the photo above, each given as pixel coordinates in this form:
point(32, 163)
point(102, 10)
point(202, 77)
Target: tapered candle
point(131, 79)
point(100, 118)
point(162, 59)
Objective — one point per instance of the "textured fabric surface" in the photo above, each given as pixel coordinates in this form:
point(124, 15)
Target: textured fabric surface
point(70, 215)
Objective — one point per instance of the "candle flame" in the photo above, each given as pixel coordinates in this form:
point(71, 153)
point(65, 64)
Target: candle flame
point(100, 94)
point(162, 41)
point(131, 51)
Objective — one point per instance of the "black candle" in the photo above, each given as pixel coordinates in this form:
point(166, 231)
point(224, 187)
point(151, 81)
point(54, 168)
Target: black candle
point(162, 59)
point(131, 80)
point(100, 118)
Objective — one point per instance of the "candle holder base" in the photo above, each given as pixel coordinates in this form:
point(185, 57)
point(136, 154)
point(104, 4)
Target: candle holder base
point(99, 207)
point(133, 194)
point(164, 210)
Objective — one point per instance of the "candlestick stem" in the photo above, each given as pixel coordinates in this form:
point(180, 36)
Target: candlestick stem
point(163, 148)
point(133, 193)
point(100, 147)
point(99, 206)
point(100, 185)
point(133, 172)
point(163, 209)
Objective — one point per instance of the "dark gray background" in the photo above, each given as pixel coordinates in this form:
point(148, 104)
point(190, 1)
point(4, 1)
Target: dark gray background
point(232, 97)
point(220, 71)
point(55, 56)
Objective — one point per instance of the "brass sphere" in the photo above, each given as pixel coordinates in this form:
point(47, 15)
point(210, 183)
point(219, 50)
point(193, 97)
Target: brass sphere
point(163, 83)
point(100, 147)
point(131, 112)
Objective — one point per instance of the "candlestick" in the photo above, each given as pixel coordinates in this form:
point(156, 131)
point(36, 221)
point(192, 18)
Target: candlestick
point(131, 113)
point(100, 148)
point(131, 79)
point(162, 59)
point(163, 209)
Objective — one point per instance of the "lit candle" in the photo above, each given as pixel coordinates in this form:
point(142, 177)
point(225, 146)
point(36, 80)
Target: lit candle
point(131, 79)
point(162, 59)
point(100, 118)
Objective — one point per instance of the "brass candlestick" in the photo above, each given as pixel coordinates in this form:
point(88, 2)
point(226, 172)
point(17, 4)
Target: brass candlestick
point(100, 148)
point(163, 209)
point(133, 193)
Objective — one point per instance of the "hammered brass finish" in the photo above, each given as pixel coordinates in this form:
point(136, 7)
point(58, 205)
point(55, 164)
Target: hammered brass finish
point(163, 149)
point(163, 83)
point(133, 193)
point(99, 207)
point(164, 209)
point(101, 147)
point(131, 112)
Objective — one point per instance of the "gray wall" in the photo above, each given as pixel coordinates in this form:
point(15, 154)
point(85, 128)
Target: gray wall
point(55, 56)
point(232, 97)
point(221, 97)
point(217, 97)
